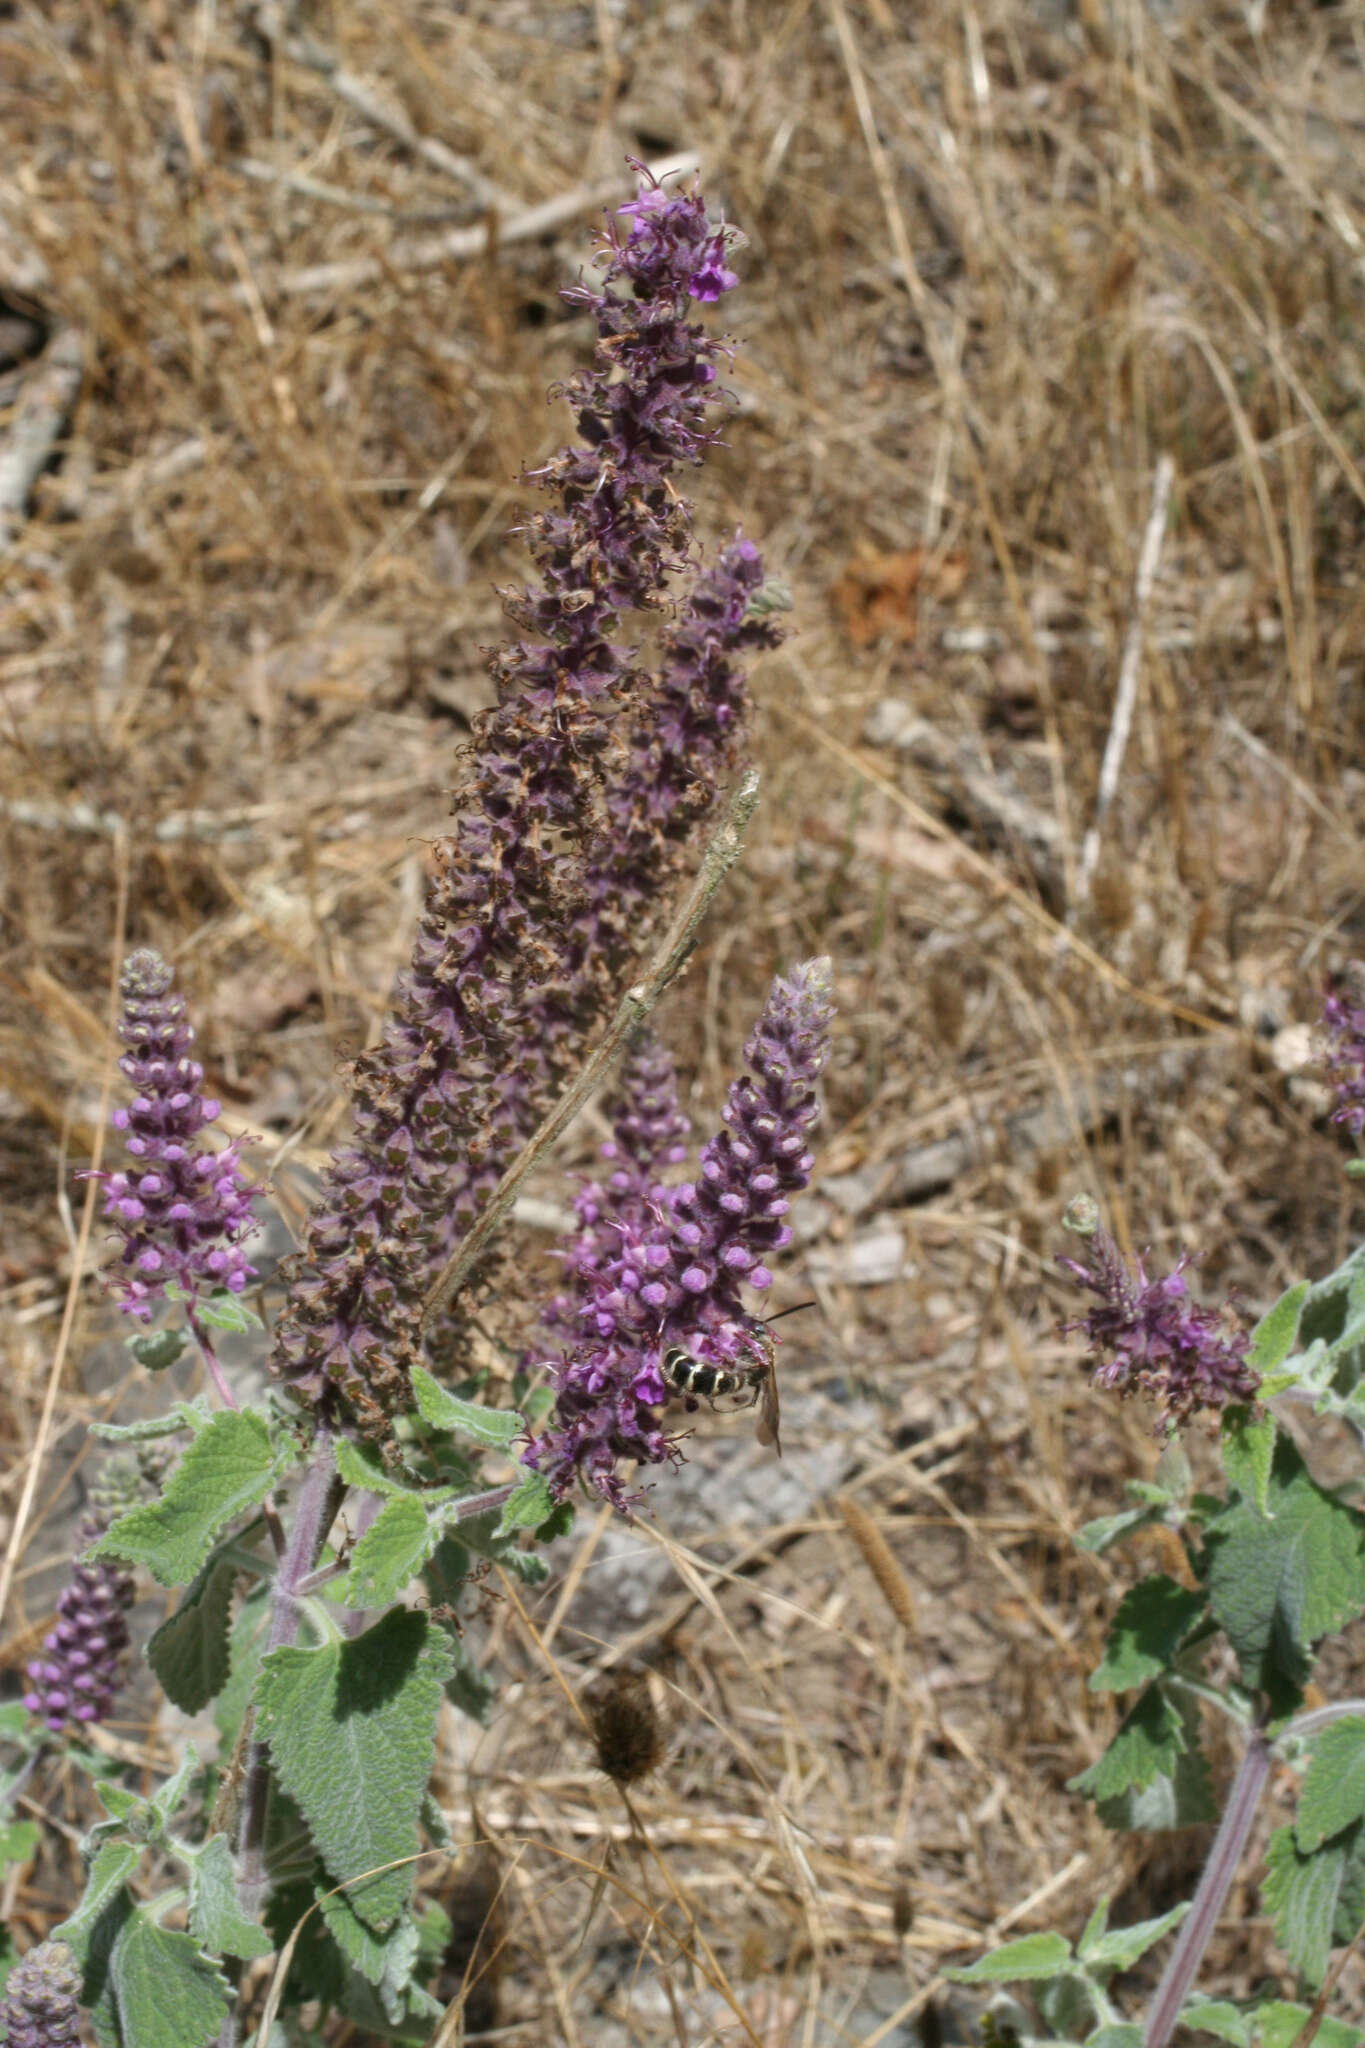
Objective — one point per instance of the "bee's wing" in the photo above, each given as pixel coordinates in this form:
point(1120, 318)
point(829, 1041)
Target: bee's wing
point(770, 1412)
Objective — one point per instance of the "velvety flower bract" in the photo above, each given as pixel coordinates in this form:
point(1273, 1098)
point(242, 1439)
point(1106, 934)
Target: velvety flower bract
point(1147, 1334)
point(182, 1209)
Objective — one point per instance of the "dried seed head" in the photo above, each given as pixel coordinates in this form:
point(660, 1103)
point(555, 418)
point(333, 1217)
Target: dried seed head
point(625, 1726)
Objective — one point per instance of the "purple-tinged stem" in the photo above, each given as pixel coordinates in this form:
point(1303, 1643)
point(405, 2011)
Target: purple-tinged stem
point(313, 1516)
point(1219, 1871)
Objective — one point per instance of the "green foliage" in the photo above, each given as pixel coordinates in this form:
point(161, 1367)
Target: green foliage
point(18, 1840)
point(1317, 1899)
point(393, 1550)
point(351, 1729)
point(1248, 1453)
point(1333, 1795)
point(166, 1992)
point(1275, 1335)
point(189, 1652)
point(193, 1416)
point(1027, 1961)
point(1149, 1744)
point(1104, 1950)
point(230, 1466)
point(1281, 1579)
point(216, 1921)
point(157, 1349)
point(1152, 1621)
point(493, 1429)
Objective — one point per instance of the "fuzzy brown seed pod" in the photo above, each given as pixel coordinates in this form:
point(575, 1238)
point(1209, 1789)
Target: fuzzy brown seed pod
point(625, 1725)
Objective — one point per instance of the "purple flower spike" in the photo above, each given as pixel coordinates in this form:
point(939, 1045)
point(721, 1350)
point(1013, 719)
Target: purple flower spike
point(181, 1210)
point(1343, 1014)
point(1148, 1334)
point(39, 2008)
point(78, 1677)
point(519, 951)
point(668, 1270)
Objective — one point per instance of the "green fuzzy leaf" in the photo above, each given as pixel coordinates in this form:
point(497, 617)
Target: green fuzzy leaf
point(157, 1349)
point(216, 1920)
point(230, 1466)
point(393, 1550)
point(193, 1416)
point(1333, 1794)
point(113, 1865)
point(18, 1840)
point(1018, 1962)
point(246, 1646)
point(494, 1428)
point(530, 1506)
point(189, 1653)
point(1274, 1336)
point(1152, 1621)
point(1303, 1894)
point(1278, 1582)
point(351, 1728)
point(1115, 2034)
point(1248, 1451)
point(1183, 1799)
point(1121, 1947)
point(480, 1533)
point(1279, 2024)
point(1149, 1744)
point(227, 1311)
point(170, 1794)
point(1099, 1536)
point(360, 1464)
point(1217, 2016)
point(386, 1963)
point(168, 1995)
point(15, 1724)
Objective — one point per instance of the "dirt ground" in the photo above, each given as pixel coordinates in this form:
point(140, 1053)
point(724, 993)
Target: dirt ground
point(276, 284)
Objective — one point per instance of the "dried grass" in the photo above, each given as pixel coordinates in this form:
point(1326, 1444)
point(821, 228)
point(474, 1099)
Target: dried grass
point(1001, 260)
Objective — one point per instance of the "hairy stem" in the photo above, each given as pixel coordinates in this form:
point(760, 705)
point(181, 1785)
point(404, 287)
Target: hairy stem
point(1219, 1871)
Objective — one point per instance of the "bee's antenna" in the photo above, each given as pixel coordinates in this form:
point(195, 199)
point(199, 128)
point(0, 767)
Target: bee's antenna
point(795, 1309)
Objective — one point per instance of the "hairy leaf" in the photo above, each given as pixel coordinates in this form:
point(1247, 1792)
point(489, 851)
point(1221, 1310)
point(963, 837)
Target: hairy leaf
point(1274, 1336)
point(393, 1550)
point(216, 1920)
point(113, 1864)
point(1302, 1894)
point(1100, 1535)
point(351, 1729)
point(1280, 1581)
point(1248, 1451)
point(189, 1653)
point(228, 1468)
point(1035, 1957)
point(1279, 2024)
point(1152, 1621)
point(1333, 1794)
point(1120, 1947)
point(494, 1428)
point(1149, 1744)
point(168, 1994)
point(18, 1840)
point(1217, 2016)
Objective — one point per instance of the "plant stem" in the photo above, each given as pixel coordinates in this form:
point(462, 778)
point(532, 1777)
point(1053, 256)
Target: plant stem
point(311, 1522)
point(639, 999)
point(1219, 1871)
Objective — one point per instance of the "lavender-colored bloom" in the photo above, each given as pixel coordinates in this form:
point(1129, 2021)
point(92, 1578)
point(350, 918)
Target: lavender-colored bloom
point(77, 1679)
point(1343, 1014)
point(675, 1278)
point(40, 2008)
point(496, 1002)
point(649, 1134)
point(1148, 1334)
point(181, 1210)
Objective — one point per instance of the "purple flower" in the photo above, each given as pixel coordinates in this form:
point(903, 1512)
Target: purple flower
point(674, 1273)
point(78, 1678)
point(1149, 1334)
point(509, 971)
point(39, 2008)
point(1343, 1015)
point(181, 1210)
